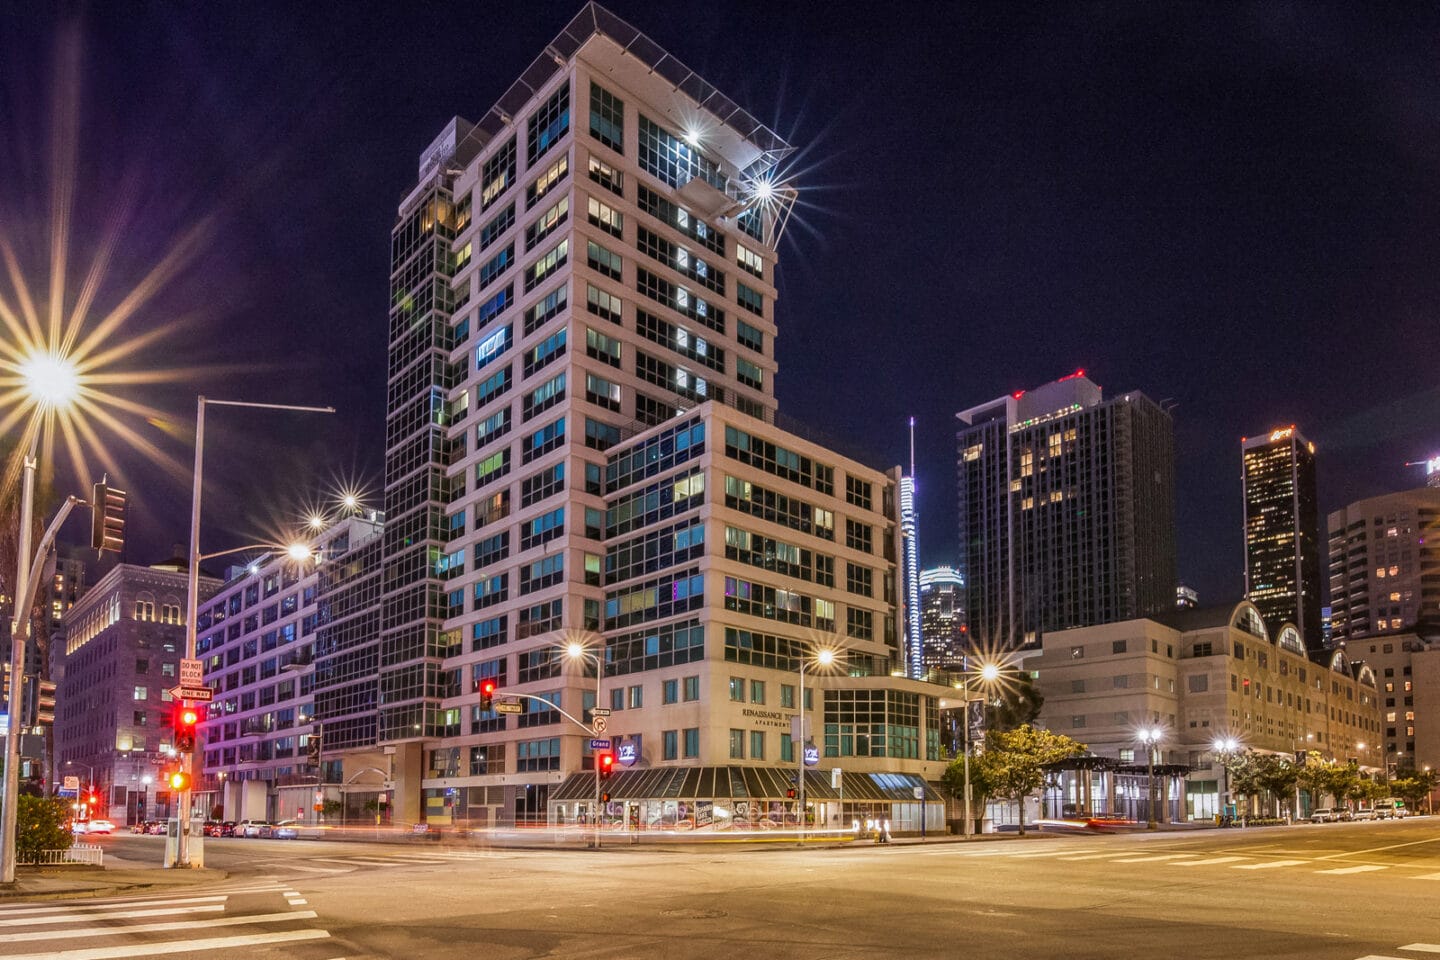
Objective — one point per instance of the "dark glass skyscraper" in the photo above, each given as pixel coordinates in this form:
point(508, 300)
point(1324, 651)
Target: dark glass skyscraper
point(1282, 531)
point(1067, 511)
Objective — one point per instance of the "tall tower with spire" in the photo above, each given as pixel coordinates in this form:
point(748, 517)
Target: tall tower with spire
point(909, 536)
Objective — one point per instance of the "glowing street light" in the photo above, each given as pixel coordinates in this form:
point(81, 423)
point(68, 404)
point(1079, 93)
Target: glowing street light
point(988, 674)
point(1225, 748)
point(575, 650)
point(1150, 736)
point(824, 657)
point(50, 379)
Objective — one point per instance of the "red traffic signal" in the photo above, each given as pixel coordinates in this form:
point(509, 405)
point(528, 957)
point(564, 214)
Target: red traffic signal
point(488, 686)
point(790, 793)
point(605, 763)
point(184, 720)
point(178, 780)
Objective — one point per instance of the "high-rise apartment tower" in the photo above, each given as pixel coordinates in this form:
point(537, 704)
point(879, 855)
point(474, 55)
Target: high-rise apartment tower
point(582, 452)
point(1282, 531)
point(1067, 511)
point(1385, 563)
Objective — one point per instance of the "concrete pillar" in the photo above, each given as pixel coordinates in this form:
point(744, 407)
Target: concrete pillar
point(406, 773)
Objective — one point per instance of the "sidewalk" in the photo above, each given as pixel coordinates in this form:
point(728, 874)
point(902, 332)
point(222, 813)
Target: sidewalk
point(59, 883)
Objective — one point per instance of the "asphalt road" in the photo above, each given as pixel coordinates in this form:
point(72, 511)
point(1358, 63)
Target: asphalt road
point(1327, 892)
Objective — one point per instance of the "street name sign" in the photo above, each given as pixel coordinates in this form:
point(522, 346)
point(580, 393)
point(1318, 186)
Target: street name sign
point(600, 712)
point(599, 744)
point(509, 706)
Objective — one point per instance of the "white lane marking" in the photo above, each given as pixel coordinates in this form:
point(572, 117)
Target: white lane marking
point(1422, 947)
point(177, 946)
point(1428, 876)
point(297, 902)
point(1203, 863)
point(1101, 856)
point(70, 932)
point(113, 905)
point(1269, 865)
point(353, 861)
point(1155, 859)
point(117, 915)
point(1363, 868)
point(296, 866)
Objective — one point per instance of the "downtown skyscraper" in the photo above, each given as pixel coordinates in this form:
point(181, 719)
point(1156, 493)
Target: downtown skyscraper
point(583, 450)
point(1067, 511)
point(1282, 531)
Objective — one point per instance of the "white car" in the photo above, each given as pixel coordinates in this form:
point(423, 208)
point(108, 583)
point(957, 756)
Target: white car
point(253, 828)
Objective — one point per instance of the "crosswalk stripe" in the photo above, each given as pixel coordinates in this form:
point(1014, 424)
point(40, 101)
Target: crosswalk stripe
point(176, 946)
point(1155, 859)
point(117, 915)
point(1428, 876)
point(110, 905)
point(1268, 865)
point(1422, 947)
point(1098, 856)
point(1203, 863)
point(1363, 868)
point(72, 932)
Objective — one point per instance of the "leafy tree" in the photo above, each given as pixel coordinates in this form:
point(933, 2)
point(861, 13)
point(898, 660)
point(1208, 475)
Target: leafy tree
point(1012, 764)
point(1413, 786)
point(40, 825)
point(1337, 780)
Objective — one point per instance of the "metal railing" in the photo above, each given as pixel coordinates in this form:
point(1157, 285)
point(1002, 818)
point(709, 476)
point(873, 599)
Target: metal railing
point(79, 853)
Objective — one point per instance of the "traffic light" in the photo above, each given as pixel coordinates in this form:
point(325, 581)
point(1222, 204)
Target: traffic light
point(45, 703)
point(790, 793)
point(605, 797)
point(605, 763)
point(107, 518)
point(185, 720)
point(179, 780)
point(488, 686)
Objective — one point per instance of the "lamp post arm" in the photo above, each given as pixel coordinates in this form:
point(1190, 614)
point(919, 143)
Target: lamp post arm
point(27, 590)
point(556, 707)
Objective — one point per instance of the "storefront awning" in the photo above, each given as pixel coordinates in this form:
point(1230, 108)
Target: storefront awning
point(742, 783)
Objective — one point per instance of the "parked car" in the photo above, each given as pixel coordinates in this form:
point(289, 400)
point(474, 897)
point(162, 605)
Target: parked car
point(1362, 814)
point(1391, 808)
point(287, 829)
point(227, 828)
point(1324, 815)
point(211, 828)
point(253, 828)
point(156, 827)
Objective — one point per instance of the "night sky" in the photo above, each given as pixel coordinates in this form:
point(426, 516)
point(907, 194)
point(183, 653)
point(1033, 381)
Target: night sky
point(1232, 207)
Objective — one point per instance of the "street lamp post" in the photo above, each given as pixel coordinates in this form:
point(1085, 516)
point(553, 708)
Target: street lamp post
point(51, 383)
point(575, 650)
point(824, 658)
point(1224, 748)
point(989, 673)
point(1150, 736)
point(192, 597)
